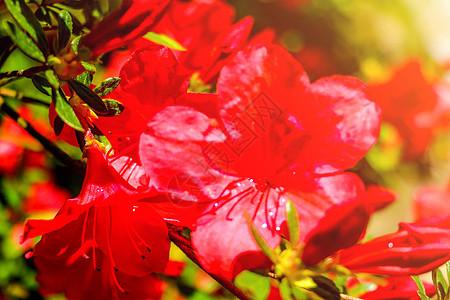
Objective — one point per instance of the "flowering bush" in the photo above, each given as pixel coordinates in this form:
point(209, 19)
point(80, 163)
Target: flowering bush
point(218, 160)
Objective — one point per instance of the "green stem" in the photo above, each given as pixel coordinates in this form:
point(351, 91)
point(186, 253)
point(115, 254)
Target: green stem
point(19, 96)
point(75, 165)
point(176, 236)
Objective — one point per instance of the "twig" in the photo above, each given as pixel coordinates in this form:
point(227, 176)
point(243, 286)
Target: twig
point(75, 165)
point(24, 73)
point(19, 96)
point(176, 236)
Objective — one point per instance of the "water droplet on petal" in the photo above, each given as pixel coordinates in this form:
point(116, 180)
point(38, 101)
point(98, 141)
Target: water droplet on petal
point(271, 213)
point(251, 180)
point(282, 200)
point(264, 225)
point(278, 228)
point(390, 245)
point(216, 204)
point(238, 184)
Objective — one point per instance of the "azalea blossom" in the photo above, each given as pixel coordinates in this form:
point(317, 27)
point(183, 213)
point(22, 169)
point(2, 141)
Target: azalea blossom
point(394, 288)
point(411, 103)
point(277, 133)
point(130, 21)
point(105, 227)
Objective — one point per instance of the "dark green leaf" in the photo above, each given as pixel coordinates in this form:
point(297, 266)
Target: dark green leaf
point(88, 96)
point(85, 78)
point(42, 84)
point(253, 285)
point(43, 15)
point(292, 222)
point(326, 288)
point(107, 86)
point(164, 40)
point(65, 27)
point(58, 126)
point(6, 46)
point(261, 242)
point(28, 22)
point(64, 110)
point(24, 42)
point(114, 107)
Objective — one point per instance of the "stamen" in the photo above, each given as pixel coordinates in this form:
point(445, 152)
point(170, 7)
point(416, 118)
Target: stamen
point(123, 152)
point(131, 237)
point(117, 282)
point(263, 192)
point(108, 242)
point(83, 233)
point(250, 190)
point(95, 241)
point(137, 234)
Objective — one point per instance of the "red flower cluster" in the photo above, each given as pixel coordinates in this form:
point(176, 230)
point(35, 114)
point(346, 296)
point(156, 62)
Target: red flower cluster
point(215, 162)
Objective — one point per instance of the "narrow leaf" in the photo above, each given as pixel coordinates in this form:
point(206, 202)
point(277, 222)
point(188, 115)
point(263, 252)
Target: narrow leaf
point(26, 19)
point(58, 126)
point(24, 42)
point(90, 67)
point(421, 292)
point(85, 78)
point(164, 40)
point(115, 108)
point(292, 222)
point(107, 86)
point(439, 283)
point(261, 243)
point(42, 84)
point(88, 96)
point(64, 110)
point(65, 26)
point(52, 79)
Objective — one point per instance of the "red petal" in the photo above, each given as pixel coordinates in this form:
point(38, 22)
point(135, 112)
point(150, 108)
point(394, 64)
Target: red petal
point(342, 122)
point(171, 151)
point(222, 238)
point(123, 235)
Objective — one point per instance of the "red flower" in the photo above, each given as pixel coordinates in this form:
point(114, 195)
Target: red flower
point(398, 288)
point(45, 196)
point(280, 130)
point(413, 249)
point(431, 205)
point(132, 20)
point(105, 225)
point(409, 102)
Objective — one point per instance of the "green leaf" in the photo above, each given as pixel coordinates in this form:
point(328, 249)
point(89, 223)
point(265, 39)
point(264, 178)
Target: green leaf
point(261, 243)
point(107, 86)
point(24, 42)
point(75, 43)
point(114, 107)
point(90, 67)
point(164, 40)
point(65, 27)
point(285, 290)
point(88, 96)
point(292, 222)
point(42, 84)
point(256, 286)
point(421, 291)
point(64, 110)
point(52, 79)
point(26, 20)
point(439, 283)
point(85, 78)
